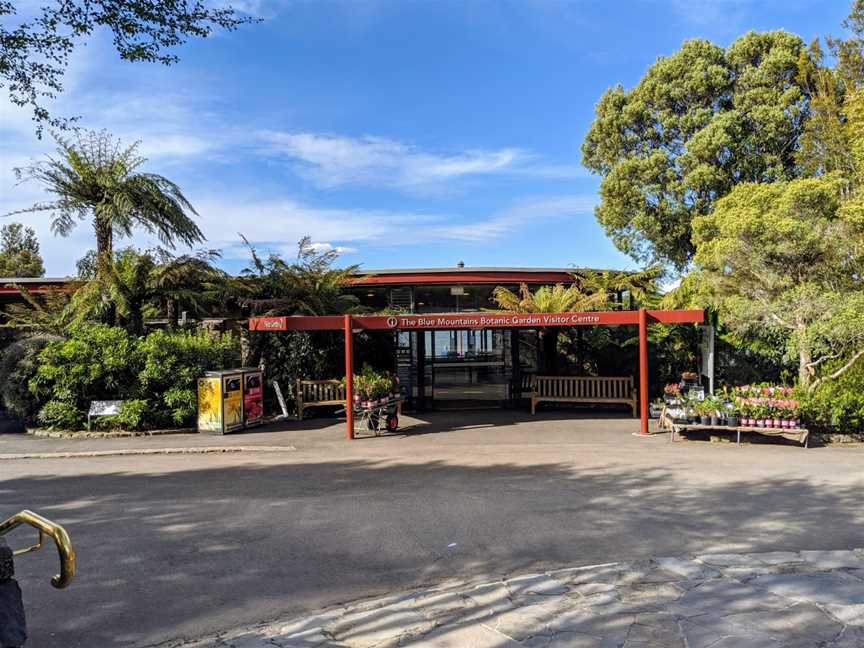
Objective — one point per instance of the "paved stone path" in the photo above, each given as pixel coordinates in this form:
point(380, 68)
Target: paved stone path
point(781, 599)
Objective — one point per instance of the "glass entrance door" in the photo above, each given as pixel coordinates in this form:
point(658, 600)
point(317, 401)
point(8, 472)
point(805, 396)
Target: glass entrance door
point(467, 367)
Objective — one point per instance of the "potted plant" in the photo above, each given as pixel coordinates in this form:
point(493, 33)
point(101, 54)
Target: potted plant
point(359, 396)
point(713, 407)
point(777, 414)
point(672, 393)
point(704, 410)
point(366, 389)
point(734, 408)
point(760, 411)
point(687, 411)
point(793, 413)
point(382, 389)
point(743, 408)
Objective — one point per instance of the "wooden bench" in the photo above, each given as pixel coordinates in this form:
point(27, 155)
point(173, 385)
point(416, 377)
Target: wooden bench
point(583, 389)
point(319, 393)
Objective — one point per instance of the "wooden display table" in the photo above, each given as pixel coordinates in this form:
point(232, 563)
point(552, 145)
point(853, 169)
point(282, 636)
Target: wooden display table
point(801, 435)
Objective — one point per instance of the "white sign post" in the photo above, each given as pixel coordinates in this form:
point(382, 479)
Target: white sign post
point(103, 408)
point(706, 347)
point(281, 399)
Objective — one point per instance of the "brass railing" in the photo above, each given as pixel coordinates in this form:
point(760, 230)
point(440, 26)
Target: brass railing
point(54, 531)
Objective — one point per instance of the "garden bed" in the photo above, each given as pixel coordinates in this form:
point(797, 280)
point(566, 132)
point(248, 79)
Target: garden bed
point(105, 434)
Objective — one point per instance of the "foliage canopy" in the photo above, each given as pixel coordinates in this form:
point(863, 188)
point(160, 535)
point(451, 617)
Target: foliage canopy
point(157, 375)
point(785, 255)
point(95, 177)
point(699, 122)
point(19, 252)
point(34, 53)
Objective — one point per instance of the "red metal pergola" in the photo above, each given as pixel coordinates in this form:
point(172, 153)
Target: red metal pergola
point(351, 323)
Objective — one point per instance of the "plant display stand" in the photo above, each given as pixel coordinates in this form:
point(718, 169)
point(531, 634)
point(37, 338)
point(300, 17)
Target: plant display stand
point(801, 435)
point(382, 416)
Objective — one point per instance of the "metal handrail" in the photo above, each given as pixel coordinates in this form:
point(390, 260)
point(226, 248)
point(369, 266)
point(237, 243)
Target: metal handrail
point(56, 532)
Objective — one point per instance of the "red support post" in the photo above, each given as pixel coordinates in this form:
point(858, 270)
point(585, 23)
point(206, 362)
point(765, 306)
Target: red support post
point(643, 371)
point(349, 377)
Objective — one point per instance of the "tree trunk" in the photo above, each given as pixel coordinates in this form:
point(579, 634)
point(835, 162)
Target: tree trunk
point(104, 248)
point(136, 318)
point(171, 312)
point(104, 262)
point(804, 359)
point(246, 348)
point(550, 351)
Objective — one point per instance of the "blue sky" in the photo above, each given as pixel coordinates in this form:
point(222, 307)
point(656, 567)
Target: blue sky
point(407, 134)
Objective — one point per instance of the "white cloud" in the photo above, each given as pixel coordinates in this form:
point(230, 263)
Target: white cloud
point(278, 225)
point(332, 160)
point(329, 247)
point(536, 211)
point(171, 145)
point(263, 9)
point(178, 125)
point(335, 160)
point(668, 284)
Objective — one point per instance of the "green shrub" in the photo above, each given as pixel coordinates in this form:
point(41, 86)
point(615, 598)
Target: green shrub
point(17, 366)
point(181, 405)
point(172, 362)
point(98, 362)
point(837, 406)
point(61, 415)
point(155, 375)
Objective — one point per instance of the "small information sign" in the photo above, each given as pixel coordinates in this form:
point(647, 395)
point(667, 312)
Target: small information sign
point(105, 408)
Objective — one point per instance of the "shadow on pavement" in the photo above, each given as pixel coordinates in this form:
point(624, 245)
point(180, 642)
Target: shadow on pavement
point(188, 552)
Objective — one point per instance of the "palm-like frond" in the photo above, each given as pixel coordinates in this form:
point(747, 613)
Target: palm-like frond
point(311, 285)
point(590, 290)
point(546, 299)
point(193, 282)
point(96, 177)
point(606, 284)
point(52, 312)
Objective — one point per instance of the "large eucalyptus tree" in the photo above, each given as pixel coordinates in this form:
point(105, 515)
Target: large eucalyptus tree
point(699, 122)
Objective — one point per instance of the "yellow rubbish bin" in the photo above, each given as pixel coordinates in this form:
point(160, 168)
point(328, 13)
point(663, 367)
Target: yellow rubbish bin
point(220, 401)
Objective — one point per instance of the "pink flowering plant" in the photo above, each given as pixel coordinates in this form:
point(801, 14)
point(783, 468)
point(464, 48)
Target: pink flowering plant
point(672, 390)
point(769, 405)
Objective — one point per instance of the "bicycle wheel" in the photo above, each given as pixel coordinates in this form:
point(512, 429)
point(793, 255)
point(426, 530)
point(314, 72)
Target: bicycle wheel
point(392, 423)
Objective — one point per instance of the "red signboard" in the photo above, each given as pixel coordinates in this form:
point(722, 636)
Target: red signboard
point(471, 320)
point(495, 320)
point(297, 323)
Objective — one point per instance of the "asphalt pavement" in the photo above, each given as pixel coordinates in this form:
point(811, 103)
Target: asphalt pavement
point(182, 546)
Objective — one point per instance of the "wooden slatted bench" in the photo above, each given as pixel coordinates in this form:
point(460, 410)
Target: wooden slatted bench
point(319, 393)
point(584, 389)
